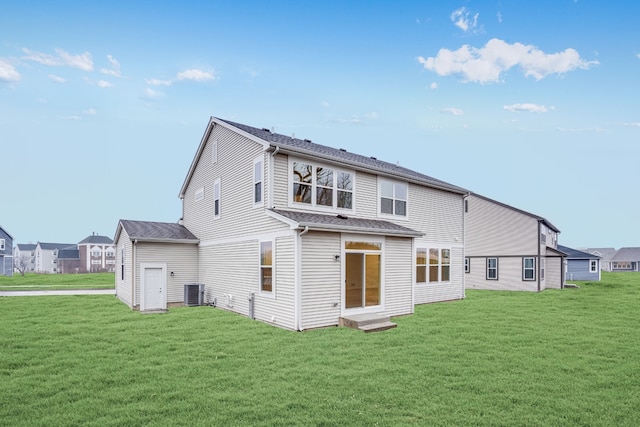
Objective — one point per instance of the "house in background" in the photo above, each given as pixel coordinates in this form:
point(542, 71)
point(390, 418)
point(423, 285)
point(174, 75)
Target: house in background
point(605, 254)
point(97, 254)
point(300, 235)
point(6, 253)
point(155, 260)
point(68, 260)
point(46, 256)
point(510, 249)
point(581, 265)
point(626, 259)
point(24, 257)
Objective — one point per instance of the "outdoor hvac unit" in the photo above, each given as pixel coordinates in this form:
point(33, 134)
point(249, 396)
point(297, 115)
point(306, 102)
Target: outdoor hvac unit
point(193, 294)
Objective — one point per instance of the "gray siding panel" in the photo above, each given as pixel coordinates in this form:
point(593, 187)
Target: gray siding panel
point(398, 286)
point(579, 269)
point(124, 287)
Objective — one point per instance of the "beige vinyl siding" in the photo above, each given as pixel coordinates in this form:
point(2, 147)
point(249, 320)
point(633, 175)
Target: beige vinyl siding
point(366, 195)
point(281, 181)
point(321, 276)
point(124, 288)
point(509, 275)
point(553, 274)
point(493, 230)
point(398, 277)
point(181, 259)
point(234, 169)
point(230, 272)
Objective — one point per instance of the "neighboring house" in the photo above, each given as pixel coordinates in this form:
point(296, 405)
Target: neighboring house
point(298, 234)
point(46, 256)
point(97, 254)
point(605, 254)
point(6, 253)
point(69, 260)
point(626, 259)
point(24, 257)
point(581, 265)
point(509, 249)
point(154, 261)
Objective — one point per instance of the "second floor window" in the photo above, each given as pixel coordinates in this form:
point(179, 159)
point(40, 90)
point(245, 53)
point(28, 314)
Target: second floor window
point(257, 181)
point(393, 198)
point(216, 199)
point(321, 186)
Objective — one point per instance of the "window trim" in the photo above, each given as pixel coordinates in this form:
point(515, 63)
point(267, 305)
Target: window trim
point(256, 161)
point(216, 199)
point(427, 266)
point(122, 263)
point(496, 268)
point(272, 266)
point(467, 265)
point(314, 186)
point(525, 269)
point(2, 244)
point(381, 181)
point(593, 266)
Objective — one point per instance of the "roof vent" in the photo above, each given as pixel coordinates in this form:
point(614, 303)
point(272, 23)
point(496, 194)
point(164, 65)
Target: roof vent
point(307, 140)
point(342, 216)
point(373, 158)
point(266, 129)
point(343, 150)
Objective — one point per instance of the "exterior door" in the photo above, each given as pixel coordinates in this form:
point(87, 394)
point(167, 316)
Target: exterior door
point(153, 289)
point(362, 272)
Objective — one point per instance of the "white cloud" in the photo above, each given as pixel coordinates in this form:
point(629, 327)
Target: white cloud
point(151, 94)
point(325, 104)
point(8, 73)
point(158, 82)
point(531, 108)
point(82, 61)
point(499, 15)
point(57, 79)
point(104, 84)
point(462, 19)
point(633, 124)
point(115, 67)
point(452, 111)
point(638, 55)
point(433, 85)
point(486, 64)
point(90, 112)
point(195, 75)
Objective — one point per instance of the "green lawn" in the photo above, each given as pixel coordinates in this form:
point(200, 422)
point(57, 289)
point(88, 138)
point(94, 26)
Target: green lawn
point(31, 281)
point(557, 358)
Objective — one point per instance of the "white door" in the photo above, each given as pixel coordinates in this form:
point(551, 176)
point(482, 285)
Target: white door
point(153, 289)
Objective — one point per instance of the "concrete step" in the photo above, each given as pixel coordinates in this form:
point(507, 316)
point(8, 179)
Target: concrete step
point(370, 322)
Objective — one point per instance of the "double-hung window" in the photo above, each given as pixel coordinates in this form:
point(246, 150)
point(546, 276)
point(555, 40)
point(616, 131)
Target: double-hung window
point(467, 265)
point(2, 244)
point(393, 198)
point(492, 268)
point(216, 198)
point(528, 268)
point(258, 174)
point(438, 262)
point(593, 266)
point(266, 266)
point(321, 186)
point(122, 264)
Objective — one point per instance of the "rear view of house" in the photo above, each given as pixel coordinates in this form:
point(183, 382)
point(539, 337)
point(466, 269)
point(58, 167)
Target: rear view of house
point(581, 265)
point(300, 235)
point(626, 259)
point(510, 249)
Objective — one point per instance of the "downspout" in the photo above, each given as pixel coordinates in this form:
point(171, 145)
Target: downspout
point(539, 243)
point(133, 272)
point(298, 285)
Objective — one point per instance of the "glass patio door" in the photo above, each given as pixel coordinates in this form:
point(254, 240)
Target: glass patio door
point(362, 275)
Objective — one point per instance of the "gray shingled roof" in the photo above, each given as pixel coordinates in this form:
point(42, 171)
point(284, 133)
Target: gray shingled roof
point(59, 246)
point(627, 254)
point(576, 254)
point(26, 246)
point(605, 253)
point(305, 146)
point(344, 223)
point(98, 240)
point(158, 231)
point(69, 253)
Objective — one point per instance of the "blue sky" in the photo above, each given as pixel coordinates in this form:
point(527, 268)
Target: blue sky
point(534, 104)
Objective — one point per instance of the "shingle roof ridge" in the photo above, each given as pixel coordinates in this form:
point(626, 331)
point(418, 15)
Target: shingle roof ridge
point(344, 156)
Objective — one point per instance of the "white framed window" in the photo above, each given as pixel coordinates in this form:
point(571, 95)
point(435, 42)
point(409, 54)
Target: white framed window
point(542, 262)
point(2, 244)
point(433, 265)
point(214, 152)
point(111, 261)
point(266, 266)
point(122, 264)
point(593, 266)
point(528, 268)
point(393, 197)
point(198, 195)
point(96, 253)
point(321, 186)
point(216, 198)
point(95, 261)
point(492, 268)
point(258, 175)
point(467, 265)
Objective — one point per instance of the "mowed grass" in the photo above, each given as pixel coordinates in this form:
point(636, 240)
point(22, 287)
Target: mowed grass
point(32, 281)
point(556, 358)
